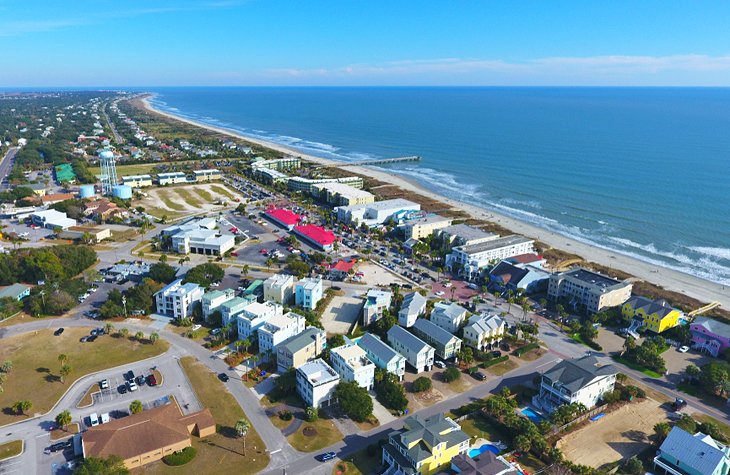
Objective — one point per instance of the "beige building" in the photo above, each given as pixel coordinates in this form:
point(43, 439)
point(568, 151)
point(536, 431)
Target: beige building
point(342, 194)
point(148, 436)
point(300, 349)
point(95, 233)
point(422, 227)
point(137, 181)
point(588, 290)
point(279, 288)
point(207, 175)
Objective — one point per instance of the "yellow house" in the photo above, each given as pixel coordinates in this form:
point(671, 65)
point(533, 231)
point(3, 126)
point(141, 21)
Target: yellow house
point(656, 315)
point(425, 446)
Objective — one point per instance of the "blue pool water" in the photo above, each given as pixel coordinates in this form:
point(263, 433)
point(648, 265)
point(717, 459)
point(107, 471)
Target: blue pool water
point(532, 415)
point(476, 452)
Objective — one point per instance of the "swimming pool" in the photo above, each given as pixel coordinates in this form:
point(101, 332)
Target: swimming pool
point(532, 415)
point(478, 451)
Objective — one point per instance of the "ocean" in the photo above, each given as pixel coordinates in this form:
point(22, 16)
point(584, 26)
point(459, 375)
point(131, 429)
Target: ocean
point(641, 171)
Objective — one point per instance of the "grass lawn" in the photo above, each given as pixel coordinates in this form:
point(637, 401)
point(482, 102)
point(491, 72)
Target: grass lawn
point(203, 194)
point(20, 317)
point(636, 367)
point(359, 463)
point(35, 364)
point(480, 426)
point(501, 368)
point(532, 355)
point(188, 197)
point(72, 429)
point(221, 453)
point(88, 398)
point(137, 169)
point(707, 397)
point(124, 236)
point(326, 435)
point(369, 424)
point(166, 198)
point(724, 428)
point(11, 449)
point(222, 190)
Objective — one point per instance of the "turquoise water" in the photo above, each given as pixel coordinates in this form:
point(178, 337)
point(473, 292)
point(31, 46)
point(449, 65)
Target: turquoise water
point(532, 415)
point(476, 452)
point(642, 171)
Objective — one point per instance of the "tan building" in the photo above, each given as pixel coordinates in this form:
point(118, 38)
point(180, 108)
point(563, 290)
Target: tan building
point(300, 349)
point(95, 233)
point(422, 227)
point(104, 209)
point(341, 194)
point(588, 290)
point(279, 288)
point(143, 438)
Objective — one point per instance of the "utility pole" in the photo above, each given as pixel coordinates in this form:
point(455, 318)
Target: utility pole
point(124, 302)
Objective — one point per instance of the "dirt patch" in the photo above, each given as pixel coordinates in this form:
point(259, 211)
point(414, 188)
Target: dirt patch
point(373, 274)
point(309, 431)
point(185, 199)
point(618, 435)
point(341, 313)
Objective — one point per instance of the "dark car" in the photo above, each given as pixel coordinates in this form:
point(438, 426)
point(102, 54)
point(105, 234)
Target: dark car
point(58, 332)
point(679, 404)
point(58, 446)
point(151, 380)
point(479, 376)
point(122, 389)
point(223, 377)
point(325, 456)
point(141, 380)
point(91, 338)
point(129, 375)
point(496, 353)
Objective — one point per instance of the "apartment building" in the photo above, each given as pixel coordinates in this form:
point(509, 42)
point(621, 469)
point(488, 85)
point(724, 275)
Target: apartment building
point(279, 288)
point(316, 383)
point(420, 228)
point(341, 194)
point(417, 352)
point(277, 329)
point(587, 290)
point(137, 181)
point(301, 348)
point(177, 300)
point(231, 308)
point(214, 299)
point(255, 315)
point(472, 258)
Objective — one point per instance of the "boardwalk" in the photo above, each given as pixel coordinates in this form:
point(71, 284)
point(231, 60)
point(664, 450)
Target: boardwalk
point(376, 161)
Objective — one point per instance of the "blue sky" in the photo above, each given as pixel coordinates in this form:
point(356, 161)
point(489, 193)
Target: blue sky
point(373, 42)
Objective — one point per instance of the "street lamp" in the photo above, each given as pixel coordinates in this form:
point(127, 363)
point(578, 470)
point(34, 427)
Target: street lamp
point(124, 302)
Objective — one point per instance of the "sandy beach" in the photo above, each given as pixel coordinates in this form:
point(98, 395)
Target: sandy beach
point(669, 279)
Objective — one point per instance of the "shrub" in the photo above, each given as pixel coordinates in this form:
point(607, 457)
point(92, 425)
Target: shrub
point(472, 370)
point(451, 374)
point(312, 414)
point(180, 458)
point(633, 466)
point(421, 384)
point(526, 348)
point(495, 361)
point(285, 415)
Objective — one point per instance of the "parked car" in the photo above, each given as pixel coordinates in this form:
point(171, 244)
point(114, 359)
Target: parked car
point(325, 456)
point(223, 377)
point(683, 349)
point(132, 386)
point(58, 332)
point(151, 380)
point(129, 375)
point(104, 384)
point(122, 389)
point(679, 404)
point(479, 376)
point(141, 380)
point(93, 420)
point(105, 418)
point(496, 353)
point(439, 364)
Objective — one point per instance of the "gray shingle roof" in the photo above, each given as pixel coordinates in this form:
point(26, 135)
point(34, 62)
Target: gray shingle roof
point(408, 339)
point(452, 311)
point(660, 307)
point(372, 344)
point(430, 431)
point(297, 342)
point(434, 331)
point(485, 323)
point(698, 451)
point(577, 373)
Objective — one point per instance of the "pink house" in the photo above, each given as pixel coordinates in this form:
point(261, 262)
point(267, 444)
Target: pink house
point(710, 335)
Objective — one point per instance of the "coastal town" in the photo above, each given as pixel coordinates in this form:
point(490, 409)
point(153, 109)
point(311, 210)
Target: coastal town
point(177, 297)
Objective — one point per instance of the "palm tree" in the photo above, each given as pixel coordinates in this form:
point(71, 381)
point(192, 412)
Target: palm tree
point(7, 366)
point(65, 371)
point(245, 270)
point(154, 337)
point(124, 332)
point(63, 359)
point(139, 336)
point(108, 328)
point(242, 427)
point(63, 419)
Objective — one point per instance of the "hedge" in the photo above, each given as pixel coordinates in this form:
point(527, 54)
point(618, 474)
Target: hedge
point(494, 361)
point(526, 348)
point(180, 458)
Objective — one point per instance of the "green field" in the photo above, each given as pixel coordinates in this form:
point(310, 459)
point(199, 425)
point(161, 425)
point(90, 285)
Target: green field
point(203, 194)
point(11, 449)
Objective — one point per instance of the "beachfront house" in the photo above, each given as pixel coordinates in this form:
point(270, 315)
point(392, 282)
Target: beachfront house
point(579, 380)
point(654, 315)
point(709, 335)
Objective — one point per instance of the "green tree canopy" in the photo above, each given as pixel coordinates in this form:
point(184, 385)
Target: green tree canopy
point(354, 400)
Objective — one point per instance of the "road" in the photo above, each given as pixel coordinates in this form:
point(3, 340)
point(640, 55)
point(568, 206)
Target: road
point(6, 165)
point(117, 137)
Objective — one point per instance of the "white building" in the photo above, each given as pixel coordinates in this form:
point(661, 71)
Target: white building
point(416, 351)
point(308, 292)
point(137, 181)
point(464, 235)
point(383, 355)
point(207, 175)
point(377, 213)
point(255, 315)
point(52, 219)
point(472, 258)
point(575, 381)
point(413, 306)
point(316, 383)
point(279, 288)
point(420, 228)
point(376, 301)
point(588, 290)
point(449, 316)
point(484, 331)
point(231, 308)
point(171, 178)
point(277, 329)
point(352, 364)
point(177, 300)
point(306, 185)
point(200, 236)
point(214, 299)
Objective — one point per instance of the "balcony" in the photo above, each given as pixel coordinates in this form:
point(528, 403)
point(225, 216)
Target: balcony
point(658, 462)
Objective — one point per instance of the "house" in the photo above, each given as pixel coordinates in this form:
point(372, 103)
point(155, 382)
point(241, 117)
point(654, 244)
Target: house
point(416, 351)
point(214, 299)
point(279, 288)
point(575, 381)
point(341, 194)
point(134, 271)
point(682, 453)
point(92, 233)
point(52, 219)
point(177, 300)
point(509, 276)
point(484, 331)
point(655, 315)
point(315, 236)
point(316, 383)
point(277, 329)
point(302, 348)
point(56, 198)
point(449, 316)
point(352, 364)
point(710, 335)
point(230, 308)
point(588, 290)
point(104, 209)
point(376, 301)
point(463, 235)
point(424, 445)
point(39, 189)
point(308, 292)
point(147, 436)
point(530, 259)
point(255, 289)
point(137, 181)
point(486, 463)
point(422, 227)
point(470, 259)
point(16, 292)
point(413, 306)
point(446, 344)
point(342, 269)
point(283, 217)
point(65, 173)
point(255, 315)
point(383, 355)
point(375, 214)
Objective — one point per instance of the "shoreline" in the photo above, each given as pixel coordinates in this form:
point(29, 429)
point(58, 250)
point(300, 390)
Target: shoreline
point(669, 279)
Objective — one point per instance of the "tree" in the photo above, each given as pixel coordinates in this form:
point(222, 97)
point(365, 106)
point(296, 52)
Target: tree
point(162, 272)
point(245, 270)
point(451, 374)
point(522, 443)
point(661, 430)
point(312, 414)
point(242, 427)
point(63, 419)
point(124, 332)
point(245, 343)
point(687, 424)
point(205, 274)
point(113, 465)
point(389, 391)
point(354, 400)
point(693, 372)
point(62, 358)
point(65, 371)
point(135, 407)
point(421, 384)
point(7, 367)
point(109, 328)
point(633, 466)
point(22, 407)
point(139, 336)
point(336, 341)
point(154, 337)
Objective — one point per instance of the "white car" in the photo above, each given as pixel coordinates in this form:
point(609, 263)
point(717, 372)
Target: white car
point(448, 284)
point(439, 293)
point(105, 418)
point(104, 384)
point(94, 419)
point(684, 349)
point(132, 385)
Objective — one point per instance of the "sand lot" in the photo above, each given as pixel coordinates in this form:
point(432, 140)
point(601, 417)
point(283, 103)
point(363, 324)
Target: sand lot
point(188, 199)
point(619, 435)
point(376, 275)
point(341, 314)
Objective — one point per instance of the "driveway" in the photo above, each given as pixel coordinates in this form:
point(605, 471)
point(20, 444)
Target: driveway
point(384, 416)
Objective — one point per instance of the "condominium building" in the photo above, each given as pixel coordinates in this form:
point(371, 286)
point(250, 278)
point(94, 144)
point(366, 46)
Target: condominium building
point(316, 383)
point(374, 214)
point(137, 181)
point(301, 348)
point(207, 175)
point(484, 331)
point(413, 306)
point(579, 380)
point(306, 185)
point(376, 301)
point(279, 288)
point(308, 293)
point(446, 345)
point(448, 315)
point(277, 329)
point(255, 315)
point(231, 308)
point(341, 194)
point(177, 300)
point(417, 352)
point(588, 290)
point(214, 299)
point(171, 178)
point(464, 235)
point(420, 228)
point(352, 364)
point(382, 355)
point(472, 258)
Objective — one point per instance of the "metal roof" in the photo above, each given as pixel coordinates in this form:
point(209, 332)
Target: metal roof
point(699, 451)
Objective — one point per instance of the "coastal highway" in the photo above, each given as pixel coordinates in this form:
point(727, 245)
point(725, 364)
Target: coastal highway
point(6, 164)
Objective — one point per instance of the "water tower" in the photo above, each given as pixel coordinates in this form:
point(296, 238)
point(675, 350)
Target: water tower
point(108, 172)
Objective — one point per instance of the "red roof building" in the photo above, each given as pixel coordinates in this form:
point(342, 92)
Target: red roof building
point(342, 268)
point(527, 259)
point(316, 236)
point(283, 217)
